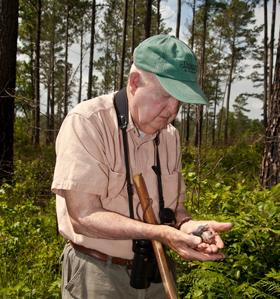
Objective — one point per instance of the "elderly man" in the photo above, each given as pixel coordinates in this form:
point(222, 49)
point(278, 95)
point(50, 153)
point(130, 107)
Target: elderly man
point(96, 211)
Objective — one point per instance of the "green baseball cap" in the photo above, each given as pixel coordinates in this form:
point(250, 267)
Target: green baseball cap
point(174, 64)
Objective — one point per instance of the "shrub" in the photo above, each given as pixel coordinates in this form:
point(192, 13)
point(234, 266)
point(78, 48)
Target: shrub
point(251, 268)
point(30, 246)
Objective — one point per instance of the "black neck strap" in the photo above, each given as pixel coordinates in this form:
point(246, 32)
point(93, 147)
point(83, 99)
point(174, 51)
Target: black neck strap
point(157, 171)
point(121, 106)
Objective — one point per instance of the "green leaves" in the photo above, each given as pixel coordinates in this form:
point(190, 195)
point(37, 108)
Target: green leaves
point(251, 268)
point(30, 246)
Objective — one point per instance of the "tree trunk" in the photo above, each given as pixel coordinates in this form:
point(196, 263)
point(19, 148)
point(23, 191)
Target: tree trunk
point(123, 44)
point(37, 74)
point(206, 125)
point(81, 65)
point(65, 100)
point(132, 28)
point(177, 35)
point(48, 101)
point(52, 123)
point(216, 94)
point(158, 16)
point(8, 51)
point(192, 44)
point(32, 79)
point(188, 124)
point(182, 125)
point(220, 119)
point(199, 116)
point(148, 19)
point(178, 18)
point(90, 72)
point(271, 46)
point(228, 97)
point(270, 171)
point(193, 24)
point(265, 67)
point(116, 61)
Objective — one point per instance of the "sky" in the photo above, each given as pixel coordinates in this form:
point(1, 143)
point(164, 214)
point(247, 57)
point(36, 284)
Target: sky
point(168, 10)
point(169, 14)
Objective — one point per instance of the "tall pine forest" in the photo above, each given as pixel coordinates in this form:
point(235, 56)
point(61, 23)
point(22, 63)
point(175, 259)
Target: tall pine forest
point(56, 54)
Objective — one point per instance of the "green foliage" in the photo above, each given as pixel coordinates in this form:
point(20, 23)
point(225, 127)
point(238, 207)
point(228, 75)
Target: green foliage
point(221, 185)
point(227, 165)
point(30, 246)
point(251, 268)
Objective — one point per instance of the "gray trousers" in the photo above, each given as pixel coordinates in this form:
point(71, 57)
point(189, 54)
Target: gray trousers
point(84, 277)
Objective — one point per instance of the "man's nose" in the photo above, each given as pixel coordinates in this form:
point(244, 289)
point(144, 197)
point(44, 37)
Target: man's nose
point(173, 105)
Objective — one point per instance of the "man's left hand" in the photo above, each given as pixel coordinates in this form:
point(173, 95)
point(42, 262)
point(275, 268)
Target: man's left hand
point(212, 227)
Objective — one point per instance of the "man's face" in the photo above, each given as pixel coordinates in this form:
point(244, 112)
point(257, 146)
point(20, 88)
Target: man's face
point(152, 108)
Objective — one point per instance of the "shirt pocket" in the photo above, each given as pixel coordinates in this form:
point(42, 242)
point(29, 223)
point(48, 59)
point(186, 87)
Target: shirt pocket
point(171, 189)
point(116, 198)
point(116, 183)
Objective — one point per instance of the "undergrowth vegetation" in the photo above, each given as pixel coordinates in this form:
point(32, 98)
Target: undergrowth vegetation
point(30, 246)
point(221, 184)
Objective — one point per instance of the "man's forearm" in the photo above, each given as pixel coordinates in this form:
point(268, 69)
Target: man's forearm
point(89, 218)
point(104, 224)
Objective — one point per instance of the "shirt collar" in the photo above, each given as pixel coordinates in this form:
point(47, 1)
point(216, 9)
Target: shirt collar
point(131, 126)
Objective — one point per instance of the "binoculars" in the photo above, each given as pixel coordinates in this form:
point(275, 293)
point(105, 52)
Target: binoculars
point(145, 268)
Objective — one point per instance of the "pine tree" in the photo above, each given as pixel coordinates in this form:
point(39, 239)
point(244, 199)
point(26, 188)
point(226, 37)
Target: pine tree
point(123, 44)
point(148, 19)
point(241, 121)
point(8, 50)
point(51, 60)
point(270, 171)
point(92, 43)
point(178, 23)
point(234, 20)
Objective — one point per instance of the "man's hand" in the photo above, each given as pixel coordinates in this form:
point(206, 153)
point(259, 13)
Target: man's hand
point(191, 247)
point(212, 227)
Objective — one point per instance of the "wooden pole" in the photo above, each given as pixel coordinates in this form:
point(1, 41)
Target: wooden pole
point(149, 217)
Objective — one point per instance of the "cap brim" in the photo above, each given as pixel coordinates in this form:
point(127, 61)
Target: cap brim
point(187, 92)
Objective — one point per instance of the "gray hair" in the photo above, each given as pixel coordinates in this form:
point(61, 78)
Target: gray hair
point(145, 77)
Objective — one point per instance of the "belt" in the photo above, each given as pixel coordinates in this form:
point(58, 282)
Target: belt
point(101, 256)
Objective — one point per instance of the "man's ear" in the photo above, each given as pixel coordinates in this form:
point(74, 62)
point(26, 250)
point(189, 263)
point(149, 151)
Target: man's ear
point(133, 83)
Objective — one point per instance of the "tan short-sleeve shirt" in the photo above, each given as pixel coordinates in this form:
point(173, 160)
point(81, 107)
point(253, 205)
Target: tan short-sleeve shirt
point(90, 159)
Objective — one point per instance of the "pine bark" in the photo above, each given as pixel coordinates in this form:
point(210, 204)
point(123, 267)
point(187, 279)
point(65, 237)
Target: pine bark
point(228, 96)
point(65, 99)
point(8, 50)
point(37, 74)
point(271, 47)
point(199, 115)
point(148, 19)
point(216, 94)
point(123, 44)
point(158, 16)
point(90, 72)
point(132, 29)
point(192, 45)
point(178, 18)
point(270, 172)
point(265, 67)
point(81, 65)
